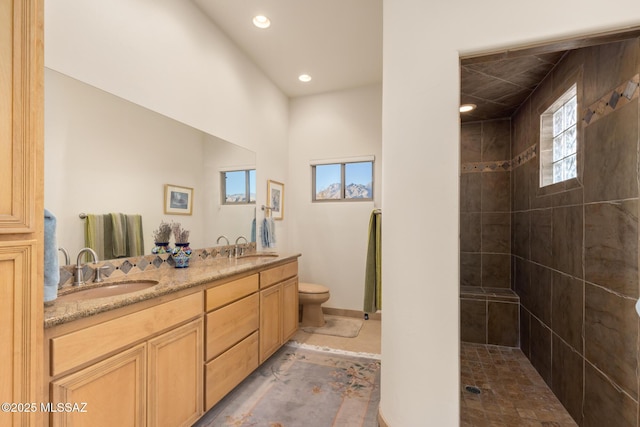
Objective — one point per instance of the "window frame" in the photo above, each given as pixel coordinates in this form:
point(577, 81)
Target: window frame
point(247, 182)
point(545, 138)
point(342, 164)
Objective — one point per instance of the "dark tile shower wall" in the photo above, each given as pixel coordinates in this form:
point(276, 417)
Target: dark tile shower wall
point(487, 317)
point(575, 250)
point(485, 204)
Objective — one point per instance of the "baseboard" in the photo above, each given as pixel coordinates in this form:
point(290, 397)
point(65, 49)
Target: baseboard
point(358, 314)
point(381, 421)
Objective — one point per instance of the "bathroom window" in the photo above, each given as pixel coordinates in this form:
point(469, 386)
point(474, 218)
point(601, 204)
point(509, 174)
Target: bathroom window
point(559, 139)
point(342, 181)
point(238, 187)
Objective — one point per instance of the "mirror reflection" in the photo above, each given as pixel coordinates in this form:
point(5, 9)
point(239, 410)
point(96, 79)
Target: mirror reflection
point(104, 154)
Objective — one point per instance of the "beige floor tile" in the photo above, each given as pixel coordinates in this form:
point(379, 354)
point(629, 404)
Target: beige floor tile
point(367, 341)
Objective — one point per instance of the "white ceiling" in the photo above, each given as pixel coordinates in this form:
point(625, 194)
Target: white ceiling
point(337, 42)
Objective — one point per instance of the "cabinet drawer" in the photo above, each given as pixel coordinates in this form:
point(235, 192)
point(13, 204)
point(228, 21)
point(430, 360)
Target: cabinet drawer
point(229, 292)
point(229, 369)
point(76, 348)
point(228, 325)
point(278, 274)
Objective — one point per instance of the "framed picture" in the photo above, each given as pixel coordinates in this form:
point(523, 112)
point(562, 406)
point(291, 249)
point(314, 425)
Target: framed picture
point(178, 200)
point(275, 198)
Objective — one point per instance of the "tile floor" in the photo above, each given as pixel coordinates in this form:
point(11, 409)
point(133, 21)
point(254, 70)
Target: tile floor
point(367, 341)
point(512, 392)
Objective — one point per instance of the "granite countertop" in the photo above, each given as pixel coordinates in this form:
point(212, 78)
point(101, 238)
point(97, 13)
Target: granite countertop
point(169, 281)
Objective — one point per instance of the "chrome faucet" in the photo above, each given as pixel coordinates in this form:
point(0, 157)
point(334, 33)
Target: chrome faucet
point(223, 237)
point(67, 260)
point(240, 249)
point(79, 280)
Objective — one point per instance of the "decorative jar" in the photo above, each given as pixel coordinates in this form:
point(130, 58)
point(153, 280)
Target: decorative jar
point(181, 254)
point(161, 248)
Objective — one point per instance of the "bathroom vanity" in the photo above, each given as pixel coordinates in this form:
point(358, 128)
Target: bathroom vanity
point(166, 354)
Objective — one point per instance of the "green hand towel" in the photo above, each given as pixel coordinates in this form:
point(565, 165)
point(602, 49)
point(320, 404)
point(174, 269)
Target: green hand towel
point(94, 236)
point(135, 241)
point(373, 269)
point(119, 236)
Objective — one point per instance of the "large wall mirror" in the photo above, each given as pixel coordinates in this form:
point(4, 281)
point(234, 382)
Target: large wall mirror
point(104, 154)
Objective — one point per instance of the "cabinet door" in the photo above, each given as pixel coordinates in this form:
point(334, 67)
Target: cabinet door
point(270, 321)
point(21, 110)
point(175, 376)
point(21, 207)
point(289, 308)
point(114, 391)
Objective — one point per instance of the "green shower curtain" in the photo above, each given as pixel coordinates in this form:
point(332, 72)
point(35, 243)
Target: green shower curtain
point(373, 273)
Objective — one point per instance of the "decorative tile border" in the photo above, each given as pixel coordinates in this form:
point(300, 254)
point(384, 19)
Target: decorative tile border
point(613, 100)
point(121, 267)
point(524, 157)
point(501, 165)
point(497, 166)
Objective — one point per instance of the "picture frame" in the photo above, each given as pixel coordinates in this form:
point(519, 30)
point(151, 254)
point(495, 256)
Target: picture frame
point(178, 200)
point(275, 199)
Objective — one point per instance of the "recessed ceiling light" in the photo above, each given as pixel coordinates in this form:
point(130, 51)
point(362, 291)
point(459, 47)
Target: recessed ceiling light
point(465, 108)
point(304, 78)
point(261, 21)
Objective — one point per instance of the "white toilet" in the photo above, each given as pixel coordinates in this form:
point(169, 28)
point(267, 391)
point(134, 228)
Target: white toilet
point(311, 297)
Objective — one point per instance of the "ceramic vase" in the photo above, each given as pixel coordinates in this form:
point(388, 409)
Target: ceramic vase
point(161, 248)
point(181, 254)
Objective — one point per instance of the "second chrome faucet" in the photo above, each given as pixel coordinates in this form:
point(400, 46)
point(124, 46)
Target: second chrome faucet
point(239, 250)
point(79, 279)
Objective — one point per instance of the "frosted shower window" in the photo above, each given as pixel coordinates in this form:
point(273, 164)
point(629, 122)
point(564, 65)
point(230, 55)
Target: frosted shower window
point(558, 140)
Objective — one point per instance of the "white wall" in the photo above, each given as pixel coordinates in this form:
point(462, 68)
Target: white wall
point(168, 57)
point(332, 237)
point(422, 42)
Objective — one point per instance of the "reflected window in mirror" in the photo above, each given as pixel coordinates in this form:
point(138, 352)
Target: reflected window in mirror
point(238, 187)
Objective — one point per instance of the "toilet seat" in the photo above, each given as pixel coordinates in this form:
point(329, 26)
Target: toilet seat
point(312, 288)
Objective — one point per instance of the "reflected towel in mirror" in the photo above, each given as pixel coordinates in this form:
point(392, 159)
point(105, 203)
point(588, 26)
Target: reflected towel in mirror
point(268, 233)
point(51, 264)
point(96, 227)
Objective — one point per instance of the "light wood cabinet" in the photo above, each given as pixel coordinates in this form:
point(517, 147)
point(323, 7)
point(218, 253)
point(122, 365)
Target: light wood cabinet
point(89, 343)
point(278, 307)
point(231, 336)
point(289, 309)
point(144, 368)
point(228, 325)
point(175, 376)
point(270, 321)
point(163, 363)
point(228, 370)
point(21, 207)
point(114, 392)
